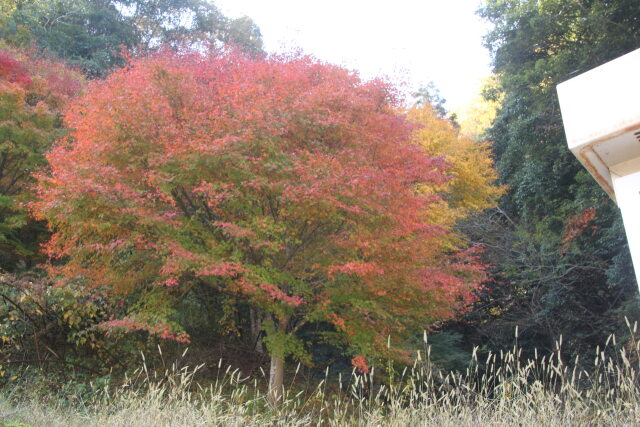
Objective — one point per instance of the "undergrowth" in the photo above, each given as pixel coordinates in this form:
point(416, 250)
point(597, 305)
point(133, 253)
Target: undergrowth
point(501, 389)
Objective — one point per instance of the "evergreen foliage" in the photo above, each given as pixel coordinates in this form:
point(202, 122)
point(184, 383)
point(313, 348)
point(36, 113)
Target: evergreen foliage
point(32, 92)
point(91, 34)
point(562, 265)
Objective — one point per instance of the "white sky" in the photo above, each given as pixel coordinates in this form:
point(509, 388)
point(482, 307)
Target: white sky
point(410, 41)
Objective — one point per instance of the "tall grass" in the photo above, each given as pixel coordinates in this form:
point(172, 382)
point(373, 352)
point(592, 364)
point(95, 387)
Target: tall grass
point(502, 389)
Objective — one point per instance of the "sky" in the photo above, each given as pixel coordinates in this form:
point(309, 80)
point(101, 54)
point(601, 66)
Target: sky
point(411, 42)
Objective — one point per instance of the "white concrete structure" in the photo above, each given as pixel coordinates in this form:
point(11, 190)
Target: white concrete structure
point(601, 115)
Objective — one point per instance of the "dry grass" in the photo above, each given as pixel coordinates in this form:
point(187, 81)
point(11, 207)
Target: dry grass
point(502, 390)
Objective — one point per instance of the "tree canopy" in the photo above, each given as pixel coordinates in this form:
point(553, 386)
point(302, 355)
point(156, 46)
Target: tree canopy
point(33, 90)
point(470, 188)
point(92, 33)
point(552, 277)
point(286, 182)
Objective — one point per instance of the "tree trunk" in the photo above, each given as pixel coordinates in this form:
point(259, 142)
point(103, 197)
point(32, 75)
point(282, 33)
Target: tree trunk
point(276, 377)
point(276, 373)
point(255, 317)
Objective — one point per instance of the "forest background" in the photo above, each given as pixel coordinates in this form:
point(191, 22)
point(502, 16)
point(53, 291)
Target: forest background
point(558, 260)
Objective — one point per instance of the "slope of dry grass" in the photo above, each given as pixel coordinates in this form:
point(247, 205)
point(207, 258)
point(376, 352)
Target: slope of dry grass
point(502, 390)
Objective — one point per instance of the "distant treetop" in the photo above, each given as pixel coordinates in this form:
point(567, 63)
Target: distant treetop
point(92, 33)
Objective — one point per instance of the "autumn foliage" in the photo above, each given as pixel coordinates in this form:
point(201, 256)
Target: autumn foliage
point(288, 183)
point(33, 89)
point(577, 225)
point(471, 184)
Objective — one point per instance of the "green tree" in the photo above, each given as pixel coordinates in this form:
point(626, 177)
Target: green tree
point(32, 92)
point(571, 281)
point(86, 33)
point(177, 21)
point(91, 33)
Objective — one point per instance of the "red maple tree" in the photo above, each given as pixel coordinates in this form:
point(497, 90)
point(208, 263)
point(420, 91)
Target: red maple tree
point(287, 182)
